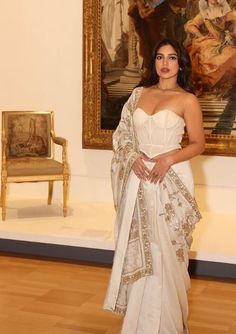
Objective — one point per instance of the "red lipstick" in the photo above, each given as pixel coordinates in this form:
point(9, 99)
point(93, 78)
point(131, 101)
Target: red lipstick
point(165, 70)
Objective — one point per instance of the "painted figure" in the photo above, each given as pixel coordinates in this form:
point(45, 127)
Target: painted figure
point(212, 47)
point(153, 24)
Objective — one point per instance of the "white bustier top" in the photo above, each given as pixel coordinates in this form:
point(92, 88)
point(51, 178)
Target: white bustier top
point(158, 133)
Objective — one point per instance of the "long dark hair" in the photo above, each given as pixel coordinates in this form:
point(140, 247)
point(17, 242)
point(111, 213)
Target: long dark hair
point(184, 76)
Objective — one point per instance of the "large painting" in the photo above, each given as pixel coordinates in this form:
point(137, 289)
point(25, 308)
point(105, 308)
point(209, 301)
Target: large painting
point(118, 39)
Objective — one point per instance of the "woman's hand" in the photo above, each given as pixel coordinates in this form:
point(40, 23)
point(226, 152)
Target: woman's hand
point(197, 34)
point(140, 169)
point(158, 172)
point(214, 34)
point(144, 8)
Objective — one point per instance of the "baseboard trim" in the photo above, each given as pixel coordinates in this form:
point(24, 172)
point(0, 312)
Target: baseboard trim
point(102, 257)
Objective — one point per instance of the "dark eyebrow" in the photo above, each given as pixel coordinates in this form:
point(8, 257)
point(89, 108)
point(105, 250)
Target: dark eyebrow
point(169, 54)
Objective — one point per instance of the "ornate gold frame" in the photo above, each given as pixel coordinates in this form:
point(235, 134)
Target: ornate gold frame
point(93, 136)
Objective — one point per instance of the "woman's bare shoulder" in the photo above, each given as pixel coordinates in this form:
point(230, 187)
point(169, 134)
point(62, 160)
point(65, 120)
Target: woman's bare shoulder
point(191, 104)
point(189, 98)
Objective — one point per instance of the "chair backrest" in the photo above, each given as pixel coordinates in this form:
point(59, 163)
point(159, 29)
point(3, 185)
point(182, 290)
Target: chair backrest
point(28, 134)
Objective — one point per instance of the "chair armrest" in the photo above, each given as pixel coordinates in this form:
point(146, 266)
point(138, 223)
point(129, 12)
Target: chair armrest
point(59, 140)
point(4, 152)
point(4, 146)
point(62, 142)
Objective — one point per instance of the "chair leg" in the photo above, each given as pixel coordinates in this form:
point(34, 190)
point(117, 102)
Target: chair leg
point(65, 194)
point(50, 192)
point(3, 198)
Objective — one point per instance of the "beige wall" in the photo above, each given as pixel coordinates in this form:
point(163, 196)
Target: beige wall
point(41, 68)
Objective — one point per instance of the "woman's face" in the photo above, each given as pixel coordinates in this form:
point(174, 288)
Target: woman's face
point(167, 65)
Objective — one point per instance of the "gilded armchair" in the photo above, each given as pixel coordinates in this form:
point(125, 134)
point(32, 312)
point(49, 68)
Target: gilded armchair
point(28, 140)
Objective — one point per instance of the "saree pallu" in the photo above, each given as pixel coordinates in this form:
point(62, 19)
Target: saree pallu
point(153, 233)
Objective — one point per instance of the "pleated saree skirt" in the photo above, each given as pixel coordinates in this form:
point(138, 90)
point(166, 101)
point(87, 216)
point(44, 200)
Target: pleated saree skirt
point(158, 304)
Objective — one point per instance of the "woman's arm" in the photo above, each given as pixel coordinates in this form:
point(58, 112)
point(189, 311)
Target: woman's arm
point(194, 126)
point(144, 8)
point(231, 16)
point(193, 26)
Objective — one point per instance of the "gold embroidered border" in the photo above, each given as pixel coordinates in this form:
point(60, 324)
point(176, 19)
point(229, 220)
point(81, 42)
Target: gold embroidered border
point(132, 146)
point(137, 94)
point(147, 270)
point(184, 190)
point(129, 164)
point(120, 310)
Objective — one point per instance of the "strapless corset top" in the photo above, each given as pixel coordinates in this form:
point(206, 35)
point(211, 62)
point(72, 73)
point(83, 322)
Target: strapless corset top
point(158, 133)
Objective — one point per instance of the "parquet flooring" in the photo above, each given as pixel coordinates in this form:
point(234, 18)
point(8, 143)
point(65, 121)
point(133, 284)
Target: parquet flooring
point(48, 297)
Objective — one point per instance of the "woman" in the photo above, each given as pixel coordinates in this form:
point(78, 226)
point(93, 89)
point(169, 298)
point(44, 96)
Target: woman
point(212, 46)
point(153, 196)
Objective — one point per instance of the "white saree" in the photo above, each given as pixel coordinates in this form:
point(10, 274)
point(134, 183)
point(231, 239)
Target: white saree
point(153, 233)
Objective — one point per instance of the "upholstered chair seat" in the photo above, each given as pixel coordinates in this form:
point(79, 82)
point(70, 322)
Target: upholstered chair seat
point(41, 167)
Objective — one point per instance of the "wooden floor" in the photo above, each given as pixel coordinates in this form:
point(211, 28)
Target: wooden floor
point(46, 297)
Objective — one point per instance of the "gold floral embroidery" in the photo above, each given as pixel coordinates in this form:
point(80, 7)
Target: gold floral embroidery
point(170, 213)
point(180, 254)
point(121, 173)
point(185, 192)
point(134, 230)
point(121, 310)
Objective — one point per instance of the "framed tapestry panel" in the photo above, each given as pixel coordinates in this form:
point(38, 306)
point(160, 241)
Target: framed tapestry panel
point(27, 134)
